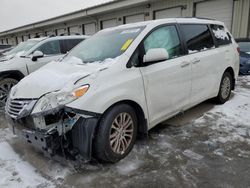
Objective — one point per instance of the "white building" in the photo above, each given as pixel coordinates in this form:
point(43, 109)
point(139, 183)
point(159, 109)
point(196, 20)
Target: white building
point(235, 14)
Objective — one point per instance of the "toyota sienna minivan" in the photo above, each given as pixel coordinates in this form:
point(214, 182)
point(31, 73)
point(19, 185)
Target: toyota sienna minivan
point(29, 56)
point(122, 82)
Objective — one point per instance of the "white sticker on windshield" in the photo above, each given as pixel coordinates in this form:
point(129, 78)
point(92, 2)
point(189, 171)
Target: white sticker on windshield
point(130, 31)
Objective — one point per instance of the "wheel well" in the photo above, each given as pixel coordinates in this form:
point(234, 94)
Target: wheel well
point(142, 121)
point(231, 71)
point(17, 75)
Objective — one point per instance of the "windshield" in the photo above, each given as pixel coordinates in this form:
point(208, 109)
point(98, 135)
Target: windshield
point(104, 45)
point(22, 47)
point(244, 46)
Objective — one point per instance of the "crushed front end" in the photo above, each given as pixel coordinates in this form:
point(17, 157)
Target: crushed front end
point(63, 131)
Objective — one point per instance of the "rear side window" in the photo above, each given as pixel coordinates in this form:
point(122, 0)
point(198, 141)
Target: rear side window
point(222, 37)
point(198, 37)
point(50, 48)
point(67, 45)
point(164, 37)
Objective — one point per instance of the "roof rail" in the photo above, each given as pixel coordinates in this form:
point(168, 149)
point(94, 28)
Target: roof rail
point(203, 18)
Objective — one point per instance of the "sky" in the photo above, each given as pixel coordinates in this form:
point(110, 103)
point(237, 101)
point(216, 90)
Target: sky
point(16, 13)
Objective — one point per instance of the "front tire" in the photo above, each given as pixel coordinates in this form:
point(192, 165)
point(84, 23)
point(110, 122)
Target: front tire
point(116, 134)
point(226, 87)
point(5, 86)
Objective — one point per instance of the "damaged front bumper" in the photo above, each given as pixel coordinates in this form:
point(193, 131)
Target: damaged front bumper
point(67, 132)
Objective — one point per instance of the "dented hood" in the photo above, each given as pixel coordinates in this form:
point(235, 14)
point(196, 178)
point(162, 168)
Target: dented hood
point(54, 77)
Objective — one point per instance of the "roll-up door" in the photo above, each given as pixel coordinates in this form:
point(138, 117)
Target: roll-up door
point(134, 18)
point(89, 29)
point(74, 30)
point(39, 35)
point(168, 13)
point(221, 10)
point(25, 37)
point(49, 33)
point(108, 23)
point(32, 35)
point(19, 39)
point(60, 32)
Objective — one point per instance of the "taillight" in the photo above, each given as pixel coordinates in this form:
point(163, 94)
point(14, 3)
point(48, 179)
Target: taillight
point(238, 49)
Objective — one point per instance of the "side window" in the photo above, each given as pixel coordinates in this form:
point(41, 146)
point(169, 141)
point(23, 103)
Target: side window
point(68, 44)
point(222, 37)
point(164, 37)
point(50, 48)
point(198, 37)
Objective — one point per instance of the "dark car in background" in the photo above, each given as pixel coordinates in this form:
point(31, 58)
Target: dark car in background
point(244, 44)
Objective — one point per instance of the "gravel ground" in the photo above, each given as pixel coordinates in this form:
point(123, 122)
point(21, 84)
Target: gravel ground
point(207, 146)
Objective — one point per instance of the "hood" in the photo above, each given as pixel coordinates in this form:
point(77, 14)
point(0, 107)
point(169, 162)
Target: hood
point(56, 76)
point(7, 57)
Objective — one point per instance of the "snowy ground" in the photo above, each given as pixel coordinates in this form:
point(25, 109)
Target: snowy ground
point(208, 146)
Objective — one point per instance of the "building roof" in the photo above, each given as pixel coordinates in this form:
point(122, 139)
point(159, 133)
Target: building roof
point(100, 8)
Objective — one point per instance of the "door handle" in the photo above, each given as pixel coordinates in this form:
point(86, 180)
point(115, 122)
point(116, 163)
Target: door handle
point(196, 61)
point(185, 64)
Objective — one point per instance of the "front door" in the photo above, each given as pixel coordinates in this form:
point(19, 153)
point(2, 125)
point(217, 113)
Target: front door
point(167, 83)
point(51, 51)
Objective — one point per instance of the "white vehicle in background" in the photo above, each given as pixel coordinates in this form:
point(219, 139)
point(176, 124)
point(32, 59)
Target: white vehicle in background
point(122, 82)
point(29, 56)
point(19, 49)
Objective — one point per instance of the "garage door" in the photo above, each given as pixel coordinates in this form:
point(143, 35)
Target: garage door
point(49, 33)
point(134, 18)
point(19, 39)
point(89, 29)
point(221, 10)
point(74, 30)
point(40, 34)
point(60, 32)
point(168, 13)
point(32, 35)
point(25, 37)
point(108, 23)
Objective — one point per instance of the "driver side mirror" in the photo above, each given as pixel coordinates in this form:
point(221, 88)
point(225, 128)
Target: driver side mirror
point(36, 55)
point(156, 55)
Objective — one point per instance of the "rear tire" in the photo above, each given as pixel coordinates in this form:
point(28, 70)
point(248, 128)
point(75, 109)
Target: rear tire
point(5, 86)
point(226, 87)
point(116, 134)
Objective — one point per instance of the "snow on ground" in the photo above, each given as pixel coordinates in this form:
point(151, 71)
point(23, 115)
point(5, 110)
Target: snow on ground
point(207, 146)
point(16, 172)
point(232, 118)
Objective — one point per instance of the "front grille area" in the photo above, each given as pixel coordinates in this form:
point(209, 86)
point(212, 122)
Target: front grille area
point(15, 107)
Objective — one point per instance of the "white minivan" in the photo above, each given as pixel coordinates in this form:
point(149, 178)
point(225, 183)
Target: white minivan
point(121, 82)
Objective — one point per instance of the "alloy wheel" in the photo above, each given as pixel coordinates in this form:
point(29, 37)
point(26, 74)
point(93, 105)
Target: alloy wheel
point(4, 92)
point(225, 87)
point(121, 133)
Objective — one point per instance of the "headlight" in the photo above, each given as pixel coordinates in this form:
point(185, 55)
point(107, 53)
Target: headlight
point(59, 99)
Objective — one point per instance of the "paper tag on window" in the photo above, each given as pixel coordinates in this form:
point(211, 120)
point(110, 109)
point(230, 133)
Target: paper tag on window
point(126, 44)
